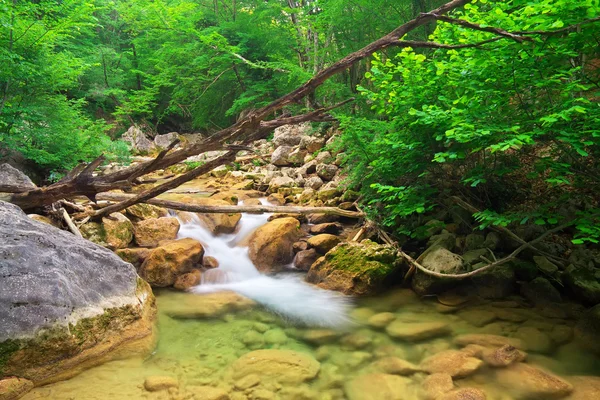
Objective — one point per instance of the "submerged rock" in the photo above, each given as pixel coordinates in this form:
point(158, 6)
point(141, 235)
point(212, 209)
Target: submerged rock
point(487, 340)
point(584, 283)
point(378, 387)
point(453, 362)
point(157, 383)
point(13, 388)
point(284, 366)
point(271, 245)
point(436, 385)
point(587, 330)
point(415, 331)
point(355, 268)
point(464, 394)
point(528, 382)
point(211, 305)
point(66, 304)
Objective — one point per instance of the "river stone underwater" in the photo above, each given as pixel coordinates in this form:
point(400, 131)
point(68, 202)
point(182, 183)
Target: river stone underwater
point(220, 345)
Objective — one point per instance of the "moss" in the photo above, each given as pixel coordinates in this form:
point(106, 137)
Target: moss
point(7, 349)
point(367, 258)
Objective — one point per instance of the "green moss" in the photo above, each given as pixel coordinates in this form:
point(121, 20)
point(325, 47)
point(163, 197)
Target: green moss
point(7, 349)
point(368, 258)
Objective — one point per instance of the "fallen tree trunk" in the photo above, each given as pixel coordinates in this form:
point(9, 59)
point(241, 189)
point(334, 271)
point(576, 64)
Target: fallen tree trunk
point(175, 205)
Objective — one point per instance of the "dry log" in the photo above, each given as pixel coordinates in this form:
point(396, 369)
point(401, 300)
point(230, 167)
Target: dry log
point(175, 205)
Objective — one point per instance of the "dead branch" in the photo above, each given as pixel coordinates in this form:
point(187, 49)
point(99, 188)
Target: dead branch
point(72, 227)
point(205, 209)
point(477, 27)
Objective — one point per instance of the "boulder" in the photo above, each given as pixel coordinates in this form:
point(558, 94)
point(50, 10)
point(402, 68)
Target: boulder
point(281, 156)
point(529, 382)
point(587, 330)
point(439, 259)
point(146, 211)
point(149, 232)
point(296, 157)
point(94, 232)
point(381, 320)
point(540, 291)
point(270, 246)
point(585, 387)
point(14, 388)
point(281, 182)
point(442, 260)
point(495, 283)
point(284, 366)
point(464, 394)
point(138, 141)
point(163, 141)
point(13, 179)
point(474, 241)
point(134, 256)
point(487, 340)
point(453, 362)
point(356, 268)
point(395, 366)
point(276, 199)
point(165, 263)
point(323, 243)
point(305, 258)
point(503, 356)
point(378, 387)
point(333, 228)
point(118, 231)
point(314, 182)
point(324, 157)
point(158, 383)
point(326, 171)
point(322, 218)
point(583, 283)
point(290, 135)
point(217, 223)
point(415, 331)
point(544, 265)
point(328, 191)
point(204, 306)
point(312, 144)
point(66, 304)
point(188, 280)
point(436, 385)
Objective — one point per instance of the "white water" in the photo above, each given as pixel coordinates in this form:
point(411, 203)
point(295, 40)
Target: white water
point(287, 294)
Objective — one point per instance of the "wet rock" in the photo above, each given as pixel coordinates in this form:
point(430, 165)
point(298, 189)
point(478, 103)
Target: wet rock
point(284, 366)
point(587, 330)
point(585, 388)
point(333, 228)
point(205, 306)
point(528, 382)
point(118, 231)
point(495, 283)
point(13, 179)
point(188, 280)
point(355, 268)
point(476, 317)
point(381, 320)
point(453, 362)
point(209, 262)
point(326, 171)
point(158, 383)
point(395, 366)
point(275, 336)
point(165, 263)
point(540, 291)
point(357, 341)
point(217, 223)
point(583, 283)
point(436, 385)
point(305, 258)
point(270, 246)
point(58, 313)
point(415, 331)
point(464, 394)
point(323, 243)
point(320, 336)
point(208, 393)
point(503, 356)
point(280, 156)
point(377, 387)
point(534, 339)
point(149, 232)
point(134, 256)
point(487, 340)
point(322, 218)
point(14, 388)
point(300, 246)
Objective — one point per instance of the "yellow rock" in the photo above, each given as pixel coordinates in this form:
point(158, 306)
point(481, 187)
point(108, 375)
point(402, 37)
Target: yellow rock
point(271, 245)
point(150, 232)
point(283, 366)
point(162, 267)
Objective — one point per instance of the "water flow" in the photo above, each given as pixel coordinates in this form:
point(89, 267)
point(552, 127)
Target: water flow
point(287, 294)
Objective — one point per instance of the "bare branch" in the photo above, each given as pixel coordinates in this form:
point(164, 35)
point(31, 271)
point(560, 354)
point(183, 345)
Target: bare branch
point(477, 27)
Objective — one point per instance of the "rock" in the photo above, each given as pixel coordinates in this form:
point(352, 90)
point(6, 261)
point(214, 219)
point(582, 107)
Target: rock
point(503, 356)
point(439, 259)
point(281, 182)
point(217, 223)
point(149, 232)
point(275, 337)
point(545, 265)
point(395, 366)
point(208, 393)
point(134, 256)
point(270, 246)
point(94, 232)
point(528, 382)
point(561, 334)
point(534, 339)
point(326, 171)
point(205, 306)
point(66, 304)
point(314, 182)
point(300, 217)
point(477, 317)
point(320, 336)
point(323, 243)
point(167, 262)
point(300, 246)
point(487, 340)
point(305, 258)
point(276, 199)
point(14, 388)
point(247, 382)
point(453, 362)
point(322, 218)
point(253, 339)
point(118, 231)
point(495, 283)
point(524, 270)
point(280, 156)
point(464, 394)
point(585, 388)
point(415, 331)
point(474, 241)
point(290, 135)
point(377, 387)
point(587, 330)
point(328, 191)
point(284, 366)
point(210, 262)
point(583, 283)
point(493, 241)
point(146, 211)
point(333, 228)
point(355, 268)
point(472, 257)
point(540, 291)
point(188, 280)
point(446, 240)
point(381, 320)
point(163, 141)
point(13, 179)
point(158, 383)
point(312, 144)
point(324, 157)
point(138, 140)
point(296, 157)
point(42, 218)
point(436, 385)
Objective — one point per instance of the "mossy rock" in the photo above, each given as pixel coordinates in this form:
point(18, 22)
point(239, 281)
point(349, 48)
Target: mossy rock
point(94, 232)
point(356, 268)
point(584, 283)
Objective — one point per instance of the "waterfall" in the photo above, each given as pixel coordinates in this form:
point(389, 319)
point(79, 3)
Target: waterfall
point(285, 294)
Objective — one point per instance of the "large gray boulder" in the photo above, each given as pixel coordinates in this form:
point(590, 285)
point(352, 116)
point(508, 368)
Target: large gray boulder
point(13, 179)
point(64, 301)
point(138, 140)
point(290, 135)
point(163, 141)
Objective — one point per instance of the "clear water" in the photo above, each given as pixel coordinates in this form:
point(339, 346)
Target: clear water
point(290, 314)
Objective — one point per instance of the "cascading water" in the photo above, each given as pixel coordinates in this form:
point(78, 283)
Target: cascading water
point(286, 294)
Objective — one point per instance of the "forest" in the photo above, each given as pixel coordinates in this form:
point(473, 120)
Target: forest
point(437, 155)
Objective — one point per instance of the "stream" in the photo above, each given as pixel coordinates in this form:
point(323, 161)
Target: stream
point(198, 348)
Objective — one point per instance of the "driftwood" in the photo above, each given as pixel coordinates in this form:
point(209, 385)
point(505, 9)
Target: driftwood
point(175, 205)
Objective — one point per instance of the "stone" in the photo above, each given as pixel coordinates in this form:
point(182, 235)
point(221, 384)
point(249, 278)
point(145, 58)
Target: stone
point(436, 385)
point(381, 320)
point(300, 246)
point(320, 336)
point(322, 218)
point(324, 157)
point(333, 228)
point(134, 256)
point(357, 341)
point(300, 217)
point(524, 270)
point(545, 265)
point(281, 182)
point(474, 241)
point(378, 387)
point(66, 304)
point(356, 268)
point(296, 157)
point(138, 141)
point(487, 340)
point(305, 258)
point(495, 283)
point(477, 317)
point(587, 330)
point(472, 257)
point(415, 331)
point(188, 280)
point(446, 240)
point(94, 232)
point(247, 382)
point(205, 306)
point(326, 171)
point(158, 383)
point(464, 394)
point(534, 339)
point(323, 243)
point(493, 241)
point(118, 231)
point(210, 262)
point(13, 179)
point(270, 246)
point(503, 356)
point(314, 182)
point(284, 366)
point(280, 156)
point(253, 339)
point(276, 199)
point(290, 135)
point(329, 191)
point(312, 144)
point(167, 262)
point(540, 291)
point(395, 366)
point(583, 283)
point(453, 362)
point(275, 336)
point(208, 393)
point(561, 334)
point(146, 211)
point(585, 388)
point(439, 259)
point(42, 218)
point(217, 223)
point(14, 388)
point(529, 382)
point(149, 232)
point(163, 141)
